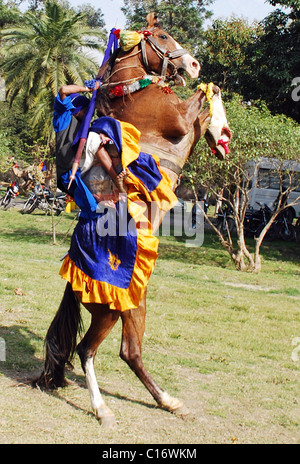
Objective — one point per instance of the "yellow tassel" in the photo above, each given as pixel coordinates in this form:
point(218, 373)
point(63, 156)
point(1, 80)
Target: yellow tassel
point(208, 90)
point(129, 39)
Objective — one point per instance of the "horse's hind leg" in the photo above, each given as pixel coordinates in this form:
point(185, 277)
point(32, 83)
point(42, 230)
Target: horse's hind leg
point(102, 322)
point(131, 352)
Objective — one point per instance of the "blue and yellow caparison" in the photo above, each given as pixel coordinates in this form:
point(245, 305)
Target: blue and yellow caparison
point(112, 268)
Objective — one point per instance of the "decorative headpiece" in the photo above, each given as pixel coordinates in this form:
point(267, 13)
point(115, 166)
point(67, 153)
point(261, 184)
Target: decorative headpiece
point(129, 39)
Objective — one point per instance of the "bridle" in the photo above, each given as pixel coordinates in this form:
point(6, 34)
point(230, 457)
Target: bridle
point(165, 56)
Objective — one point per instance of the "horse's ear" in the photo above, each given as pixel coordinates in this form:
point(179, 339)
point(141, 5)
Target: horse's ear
point(152, 20)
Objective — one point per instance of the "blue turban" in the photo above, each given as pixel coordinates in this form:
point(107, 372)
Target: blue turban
point(111, 128)
point(79, 102)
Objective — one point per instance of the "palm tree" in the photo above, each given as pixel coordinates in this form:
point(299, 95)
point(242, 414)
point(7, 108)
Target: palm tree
point(48, 50)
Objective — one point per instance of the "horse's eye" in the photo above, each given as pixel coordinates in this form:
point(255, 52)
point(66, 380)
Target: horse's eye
point(163, 36)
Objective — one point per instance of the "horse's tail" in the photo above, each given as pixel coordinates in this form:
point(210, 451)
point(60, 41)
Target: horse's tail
point(61, 340)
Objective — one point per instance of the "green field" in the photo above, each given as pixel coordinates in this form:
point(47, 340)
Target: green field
point(224, 342)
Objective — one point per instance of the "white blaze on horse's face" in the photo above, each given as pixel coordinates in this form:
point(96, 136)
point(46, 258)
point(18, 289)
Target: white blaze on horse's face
point(191, 65)
point(182, 61)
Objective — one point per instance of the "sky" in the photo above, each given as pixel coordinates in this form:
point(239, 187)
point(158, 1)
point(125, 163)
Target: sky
point(251, 9)
point(113, 16)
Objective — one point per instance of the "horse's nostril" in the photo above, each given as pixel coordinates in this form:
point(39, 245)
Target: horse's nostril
point(196, 65)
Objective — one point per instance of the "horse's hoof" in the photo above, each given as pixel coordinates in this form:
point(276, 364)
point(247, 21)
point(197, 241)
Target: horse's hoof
point(106, 417)
point(176, 407)
point(108, 422)
point(169, 403)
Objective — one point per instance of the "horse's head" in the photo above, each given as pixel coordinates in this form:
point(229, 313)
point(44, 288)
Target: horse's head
point(158, 54)
point(163, 56)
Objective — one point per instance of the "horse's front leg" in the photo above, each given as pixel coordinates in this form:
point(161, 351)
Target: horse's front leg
point(180, 116)
point(131, 352)
point(190, 109)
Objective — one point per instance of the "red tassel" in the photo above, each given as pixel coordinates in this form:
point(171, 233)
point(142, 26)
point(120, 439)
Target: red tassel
point(117, 91)
point(167, 89)
point(224, 144)
point(145, 32)
point(117, 33)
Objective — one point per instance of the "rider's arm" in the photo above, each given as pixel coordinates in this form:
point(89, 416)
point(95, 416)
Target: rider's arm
point(66, 90)
point(103, 158)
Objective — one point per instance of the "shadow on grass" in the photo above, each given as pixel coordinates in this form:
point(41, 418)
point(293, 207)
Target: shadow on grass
point(280, 250)
point(26, 235)
point(19, 351)
point(35, 228)
point(22, 366)
point(210, 256)
point(213, 253)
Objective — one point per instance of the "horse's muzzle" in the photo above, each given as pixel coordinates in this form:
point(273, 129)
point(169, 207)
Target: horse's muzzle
point(191, 66)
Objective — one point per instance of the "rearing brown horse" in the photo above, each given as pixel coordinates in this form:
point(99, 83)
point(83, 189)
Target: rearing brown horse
point(170, 128)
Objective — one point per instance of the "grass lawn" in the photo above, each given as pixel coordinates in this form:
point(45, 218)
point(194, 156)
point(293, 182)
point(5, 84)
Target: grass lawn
point(224, 342)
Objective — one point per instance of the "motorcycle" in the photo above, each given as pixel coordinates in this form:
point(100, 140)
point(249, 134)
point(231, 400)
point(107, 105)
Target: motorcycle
point(225, 221)
point(12, 192)
point(287, 231)
point(43, 198)
point(255, 219)
point(281, 228)
point(297, 227)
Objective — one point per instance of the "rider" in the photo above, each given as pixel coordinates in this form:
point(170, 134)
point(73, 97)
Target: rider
point(113, 248)
point(69, 109)
point(102, 151)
